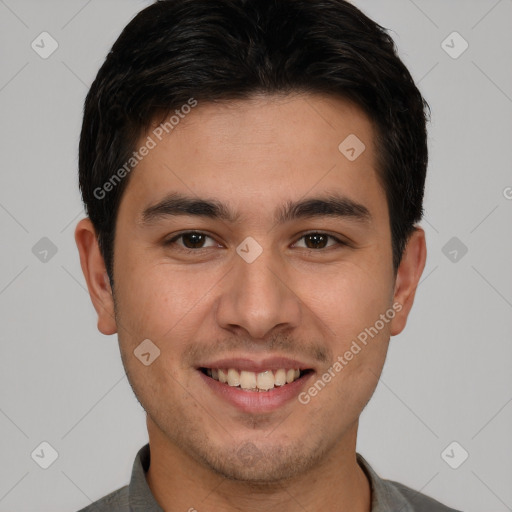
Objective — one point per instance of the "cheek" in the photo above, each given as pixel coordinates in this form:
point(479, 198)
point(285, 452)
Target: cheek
point(349, 298)
point(350, 304)
point(156, 299)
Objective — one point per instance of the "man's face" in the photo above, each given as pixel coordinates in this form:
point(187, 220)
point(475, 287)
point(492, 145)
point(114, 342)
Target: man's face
point(212, 301)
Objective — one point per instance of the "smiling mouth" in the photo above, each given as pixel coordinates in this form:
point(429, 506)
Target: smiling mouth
point(255, 381)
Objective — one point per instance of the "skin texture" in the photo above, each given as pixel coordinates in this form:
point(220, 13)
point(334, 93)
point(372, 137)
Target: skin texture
point(293, 301)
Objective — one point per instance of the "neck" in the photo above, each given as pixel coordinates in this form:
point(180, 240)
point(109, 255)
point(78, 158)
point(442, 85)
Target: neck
point(180, 483)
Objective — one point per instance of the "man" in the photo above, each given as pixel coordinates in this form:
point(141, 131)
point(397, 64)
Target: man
point(253, 173)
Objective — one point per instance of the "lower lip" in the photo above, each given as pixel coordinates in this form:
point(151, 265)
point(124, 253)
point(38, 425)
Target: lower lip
point(257, 401)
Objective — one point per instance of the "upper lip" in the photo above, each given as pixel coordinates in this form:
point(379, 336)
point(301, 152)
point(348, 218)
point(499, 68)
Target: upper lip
point(251, 365)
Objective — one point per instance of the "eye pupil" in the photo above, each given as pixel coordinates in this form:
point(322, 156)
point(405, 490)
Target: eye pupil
point(196, 240)
point(317, 239)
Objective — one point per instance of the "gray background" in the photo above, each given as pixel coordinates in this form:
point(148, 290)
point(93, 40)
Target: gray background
point(447, 377)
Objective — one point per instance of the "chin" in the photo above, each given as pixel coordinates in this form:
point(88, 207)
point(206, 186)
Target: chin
point(262, 465)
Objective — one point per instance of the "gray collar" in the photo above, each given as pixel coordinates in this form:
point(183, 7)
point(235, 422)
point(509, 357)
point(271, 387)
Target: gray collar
point(385, 496)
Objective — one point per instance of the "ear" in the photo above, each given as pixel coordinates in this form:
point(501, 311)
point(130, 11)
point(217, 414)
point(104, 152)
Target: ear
point(95, 273)
point(408, 276)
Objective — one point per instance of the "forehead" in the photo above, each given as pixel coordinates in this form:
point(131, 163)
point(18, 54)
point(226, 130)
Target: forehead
point(258, 151)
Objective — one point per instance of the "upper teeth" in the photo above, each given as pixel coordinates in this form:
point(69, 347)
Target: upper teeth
point(262, 381)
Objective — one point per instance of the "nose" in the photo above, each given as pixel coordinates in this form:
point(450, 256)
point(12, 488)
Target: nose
point(257, 298)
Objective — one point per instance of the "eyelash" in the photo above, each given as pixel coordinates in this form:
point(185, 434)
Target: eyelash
point(172, 241)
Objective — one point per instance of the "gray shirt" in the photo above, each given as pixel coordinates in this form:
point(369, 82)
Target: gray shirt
point(387, 496)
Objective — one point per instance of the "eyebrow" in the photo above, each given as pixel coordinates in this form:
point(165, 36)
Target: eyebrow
point(328, 205)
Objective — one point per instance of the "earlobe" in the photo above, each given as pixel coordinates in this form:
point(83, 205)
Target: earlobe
point(408, 276)
point(98, 284)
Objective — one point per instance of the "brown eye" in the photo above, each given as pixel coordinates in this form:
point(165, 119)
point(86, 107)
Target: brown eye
point(319, 240)
point(316, 241)
point(191, 240)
